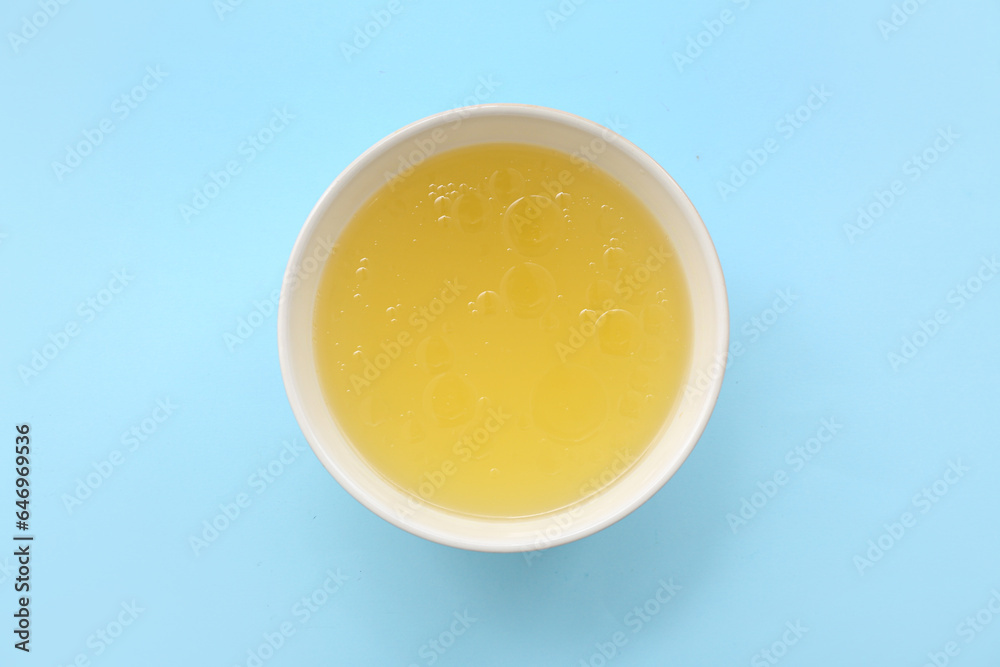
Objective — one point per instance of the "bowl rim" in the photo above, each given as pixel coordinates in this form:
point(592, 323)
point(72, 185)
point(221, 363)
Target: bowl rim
point(707, 399)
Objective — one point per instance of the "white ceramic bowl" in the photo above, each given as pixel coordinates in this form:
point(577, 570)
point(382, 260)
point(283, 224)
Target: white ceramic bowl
point(552, 129)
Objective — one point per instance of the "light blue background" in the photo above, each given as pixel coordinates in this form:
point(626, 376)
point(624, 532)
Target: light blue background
point(826, 357)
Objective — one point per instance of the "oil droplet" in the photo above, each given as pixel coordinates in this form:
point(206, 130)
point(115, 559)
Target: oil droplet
point(450, 399)
point(471, 210)
point(434, 353)
point(614, 258)
point(374, 410)
point(488, 302)
point(361, 274)
point(533, 224)
point(414, 431)
point(618, 332)
point(608, 222)
point(528, 289)
point(600, 295)
point(442, 205)
point(651, 351)
point(482, 405)
point(569, 402)
point(506, 184)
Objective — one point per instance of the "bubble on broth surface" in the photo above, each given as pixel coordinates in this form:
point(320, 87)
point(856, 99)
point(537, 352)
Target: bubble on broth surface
point(528, 289)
